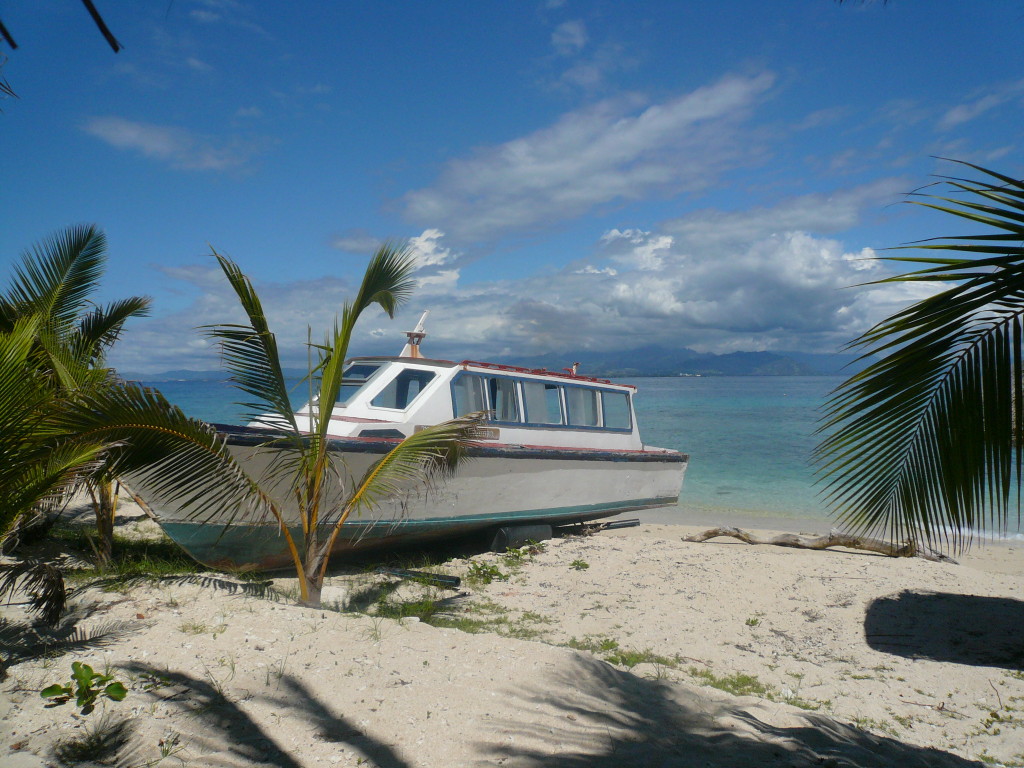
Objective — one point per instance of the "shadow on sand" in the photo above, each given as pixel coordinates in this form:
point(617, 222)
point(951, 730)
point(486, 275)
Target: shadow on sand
point(224, 734)
point(605, 718)
point(962, 629)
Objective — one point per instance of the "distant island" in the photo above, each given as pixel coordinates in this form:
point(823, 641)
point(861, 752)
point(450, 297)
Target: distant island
point(651, 360)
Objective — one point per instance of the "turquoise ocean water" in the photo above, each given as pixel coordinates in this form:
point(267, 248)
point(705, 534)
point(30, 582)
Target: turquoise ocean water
point(749, 440)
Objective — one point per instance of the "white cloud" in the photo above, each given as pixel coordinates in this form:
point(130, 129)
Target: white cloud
point(356, 241)
point(637, 248)
point(613, 151)
point(176, 146)
point(204, 16)
point(981, 104)
point(590, 72)
point(823, 214)
point(569, 38)
point(590, 269)
point(755, 289)
point(229, 12)
point(426, 248)
point(758, 288)
point(443, 281)
point(197, 64)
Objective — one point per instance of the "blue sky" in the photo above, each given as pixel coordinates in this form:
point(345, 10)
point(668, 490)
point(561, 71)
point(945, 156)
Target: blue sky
point(571, 174)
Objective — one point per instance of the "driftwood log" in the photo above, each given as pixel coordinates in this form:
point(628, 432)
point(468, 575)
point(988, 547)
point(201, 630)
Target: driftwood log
point(834, 539)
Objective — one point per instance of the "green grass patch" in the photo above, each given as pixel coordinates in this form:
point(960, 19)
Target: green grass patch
point(630, 658)
point(608, 649)
point(139, 557)
point(740, 684)
point(424, 609)
point(474, 618)
point(737, 684)
point(594, 644)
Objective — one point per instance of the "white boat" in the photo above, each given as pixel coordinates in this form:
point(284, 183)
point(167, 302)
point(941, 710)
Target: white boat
point(559, 448)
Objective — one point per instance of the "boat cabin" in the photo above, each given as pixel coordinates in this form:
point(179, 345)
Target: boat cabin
point(389, 397)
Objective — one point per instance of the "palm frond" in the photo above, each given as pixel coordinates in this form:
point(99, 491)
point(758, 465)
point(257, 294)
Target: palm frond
point(35, 469)
point(923, 444)
point(100, 329)
point(56, 277)
point(388, 282)
point(251, 355)
point(178, 458)
point(45, 476)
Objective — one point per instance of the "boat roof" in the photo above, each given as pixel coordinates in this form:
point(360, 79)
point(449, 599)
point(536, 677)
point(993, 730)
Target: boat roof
point(564, 375)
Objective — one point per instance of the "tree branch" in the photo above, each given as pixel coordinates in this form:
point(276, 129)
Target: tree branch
point(834, 539)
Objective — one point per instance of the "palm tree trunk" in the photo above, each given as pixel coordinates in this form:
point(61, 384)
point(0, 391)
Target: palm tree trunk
point(312, 571)
point(104, 504)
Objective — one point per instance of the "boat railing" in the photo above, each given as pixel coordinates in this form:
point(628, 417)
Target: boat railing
point(540, 372)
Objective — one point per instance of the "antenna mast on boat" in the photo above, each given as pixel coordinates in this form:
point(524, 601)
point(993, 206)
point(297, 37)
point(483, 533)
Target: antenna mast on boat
point(412, 347)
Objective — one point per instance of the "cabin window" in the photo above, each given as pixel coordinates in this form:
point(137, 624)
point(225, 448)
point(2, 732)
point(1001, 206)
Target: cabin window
point(403, 389)
point(582, 404)
point(616, 410)
point(468, 391)
point(504, 402)
point(543, 402)
point(354, 377)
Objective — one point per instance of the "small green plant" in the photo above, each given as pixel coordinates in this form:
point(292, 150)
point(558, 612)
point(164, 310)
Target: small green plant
point(153, 681)
point(907, 721)
point(170, 744)
point(753, 621)
point(579, 565)
point(85, 687)
point(484, 573)
point(514, 557)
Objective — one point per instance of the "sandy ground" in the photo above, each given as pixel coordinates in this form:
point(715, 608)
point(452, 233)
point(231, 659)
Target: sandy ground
point(603, 650)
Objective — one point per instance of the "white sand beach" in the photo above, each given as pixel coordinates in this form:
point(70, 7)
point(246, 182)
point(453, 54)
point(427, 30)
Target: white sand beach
point(843, 659)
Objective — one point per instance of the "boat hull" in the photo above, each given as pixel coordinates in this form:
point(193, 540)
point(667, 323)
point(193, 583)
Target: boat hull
point(498, 485)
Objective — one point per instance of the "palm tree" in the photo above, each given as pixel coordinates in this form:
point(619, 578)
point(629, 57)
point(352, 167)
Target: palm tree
point(35, 473)
point(308, 475)
point(922, 444)
point(53, 283)
point(52, 439)
point(67, 422)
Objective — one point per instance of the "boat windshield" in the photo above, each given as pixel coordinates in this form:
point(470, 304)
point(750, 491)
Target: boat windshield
point(403, 389)
point(353, 379)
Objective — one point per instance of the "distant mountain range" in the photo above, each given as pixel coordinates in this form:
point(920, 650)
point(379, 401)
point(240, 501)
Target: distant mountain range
point(646, 361)
point(662, 361)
